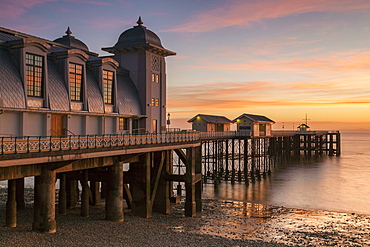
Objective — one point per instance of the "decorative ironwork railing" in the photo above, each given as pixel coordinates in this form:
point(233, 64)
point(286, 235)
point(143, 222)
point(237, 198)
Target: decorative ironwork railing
point(37, 144)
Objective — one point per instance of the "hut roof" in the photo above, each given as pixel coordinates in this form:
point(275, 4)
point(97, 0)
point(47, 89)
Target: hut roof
point(211, 119)
point(254, 118)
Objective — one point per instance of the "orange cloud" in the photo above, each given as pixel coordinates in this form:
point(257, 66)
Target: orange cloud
point(241, 12)
point(331, 62)
point(246, 95)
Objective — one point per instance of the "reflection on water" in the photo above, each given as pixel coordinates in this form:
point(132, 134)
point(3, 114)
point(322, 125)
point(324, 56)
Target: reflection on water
point(336, 184)
point(273, 224)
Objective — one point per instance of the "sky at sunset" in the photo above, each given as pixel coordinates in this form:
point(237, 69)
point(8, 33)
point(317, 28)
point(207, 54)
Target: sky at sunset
point(278, 58)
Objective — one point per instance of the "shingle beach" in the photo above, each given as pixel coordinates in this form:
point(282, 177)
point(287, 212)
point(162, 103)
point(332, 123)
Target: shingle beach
point(221, 223)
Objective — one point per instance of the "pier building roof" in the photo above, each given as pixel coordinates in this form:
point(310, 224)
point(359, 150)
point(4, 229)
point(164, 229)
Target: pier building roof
point(254, 118)
point(70, 40)
point(57, 95)
point(139, 37)
point(211, 119)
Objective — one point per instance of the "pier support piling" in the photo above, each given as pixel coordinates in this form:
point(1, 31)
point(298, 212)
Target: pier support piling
point(62, 197)
point(20, 193)
point(141, 187)
point(85, 193)
point(11, 205)
point(44, 206)
point(114, 201)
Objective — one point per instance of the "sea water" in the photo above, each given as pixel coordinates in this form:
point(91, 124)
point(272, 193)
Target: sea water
point(333, 183)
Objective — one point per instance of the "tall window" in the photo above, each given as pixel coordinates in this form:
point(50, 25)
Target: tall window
point(155, 78)
point(108, 86)
point(34, 71)
point(123, 123)
point(156, 102)
point(75, 81)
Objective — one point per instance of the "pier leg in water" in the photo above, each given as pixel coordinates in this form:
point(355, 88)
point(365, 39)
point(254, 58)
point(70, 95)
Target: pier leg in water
point(114, 201)
point(11, 205)
point(44, 206)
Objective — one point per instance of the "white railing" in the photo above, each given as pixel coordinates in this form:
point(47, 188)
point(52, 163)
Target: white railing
point(37, 144)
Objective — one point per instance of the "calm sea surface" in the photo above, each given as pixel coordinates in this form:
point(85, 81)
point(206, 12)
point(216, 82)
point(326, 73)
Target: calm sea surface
point(336, 184)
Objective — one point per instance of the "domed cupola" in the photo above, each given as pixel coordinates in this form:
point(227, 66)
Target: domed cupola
point(72, 41)
point(139, 37)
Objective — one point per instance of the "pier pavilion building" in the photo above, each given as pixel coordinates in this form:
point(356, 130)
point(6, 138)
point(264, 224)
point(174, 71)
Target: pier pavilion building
point(60, 87)
point(254, 125)
point(210, 123)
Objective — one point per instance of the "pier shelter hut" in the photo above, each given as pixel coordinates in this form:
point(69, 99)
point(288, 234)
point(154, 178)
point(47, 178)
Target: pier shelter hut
point(210, 123)
point(254, 125)
point(303, 127)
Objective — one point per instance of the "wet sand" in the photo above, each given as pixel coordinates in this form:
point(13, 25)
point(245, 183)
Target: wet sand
point(222, 223)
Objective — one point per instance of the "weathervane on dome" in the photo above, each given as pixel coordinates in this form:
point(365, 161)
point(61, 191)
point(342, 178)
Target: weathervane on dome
point(68, 32)
point(140, 22)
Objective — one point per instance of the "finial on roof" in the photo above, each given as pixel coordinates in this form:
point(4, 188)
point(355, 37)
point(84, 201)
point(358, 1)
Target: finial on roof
point(68, 32)
point(140, 22)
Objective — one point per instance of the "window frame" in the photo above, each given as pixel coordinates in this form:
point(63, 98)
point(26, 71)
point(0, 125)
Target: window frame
point(155, 78)
point(31, 69)
point(75, 92)
point(122, 123)
point(108, 92)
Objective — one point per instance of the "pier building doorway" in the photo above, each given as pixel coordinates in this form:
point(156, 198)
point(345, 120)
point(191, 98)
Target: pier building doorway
point(56, 125)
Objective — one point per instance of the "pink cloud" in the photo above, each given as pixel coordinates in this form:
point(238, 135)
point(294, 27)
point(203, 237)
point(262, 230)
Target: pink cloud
point(241, 12)
point(14, 8)
point(90, 2)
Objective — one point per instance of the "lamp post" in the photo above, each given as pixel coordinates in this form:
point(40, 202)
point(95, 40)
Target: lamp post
point(283, 126)
point(168, 122)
